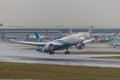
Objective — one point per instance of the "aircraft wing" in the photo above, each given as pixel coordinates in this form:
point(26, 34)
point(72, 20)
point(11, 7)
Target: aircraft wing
point(88, 40)
point(35, 43)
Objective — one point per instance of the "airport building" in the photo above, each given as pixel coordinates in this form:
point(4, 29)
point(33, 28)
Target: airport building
point(23, 33)
point(56, 32)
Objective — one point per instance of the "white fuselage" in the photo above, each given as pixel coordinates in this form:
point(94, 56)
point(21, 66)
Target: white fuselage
point(72, 39)
point(65, 42)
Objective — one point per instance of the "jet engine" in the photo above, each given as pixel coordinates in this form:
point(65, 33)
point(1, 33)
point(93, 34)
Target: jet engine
point(80, 46)
point(40, 49)
point(50, 46)
point(47, 48)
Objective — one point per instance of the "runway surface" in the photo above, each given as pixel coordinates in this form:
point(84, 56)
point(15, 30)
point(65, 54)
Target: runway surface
point(12, 52)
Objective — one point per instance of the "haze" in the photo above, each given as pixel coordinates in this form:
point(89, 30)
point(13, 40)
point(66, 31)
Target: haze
point(60, 12)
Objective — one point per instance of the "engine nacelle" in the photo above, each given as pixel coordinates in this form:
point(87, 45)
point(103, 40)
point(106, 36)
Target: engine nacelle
point(80, 46)
point(50, 46)
point(47, 48)
point(40, 49)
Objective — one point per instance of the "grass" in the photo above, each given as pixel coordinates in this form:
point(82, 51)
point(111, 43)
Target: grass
point(56, 72)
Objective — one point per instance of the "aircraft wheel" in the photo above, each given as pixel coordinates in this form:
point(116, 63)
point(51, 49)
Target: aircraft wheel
point(51, 52)
point(67, 52)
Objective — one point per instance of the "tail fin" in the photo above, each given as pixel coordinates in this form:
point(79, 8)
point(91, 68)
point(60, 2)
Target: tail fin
point(70, 31)
point(90, 30)
point(109, 39)
point(46, 33)
point(37, 35)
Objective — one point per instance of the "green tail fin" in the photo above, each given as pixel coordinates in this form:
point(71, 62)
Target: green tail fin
point(37, 35)
point(109, 39)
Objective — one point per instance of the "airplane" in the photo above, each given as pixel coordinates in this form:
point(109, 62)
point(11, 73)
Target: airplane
point(38, 37)
point(85, 34)
point(89, 33)
point(77, 40)
point(112, 42)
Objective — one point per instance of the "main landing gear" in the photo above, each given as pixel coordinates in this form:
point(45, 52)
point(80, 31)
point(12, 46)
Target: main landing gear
point(51, 47)
point(51, 52)
point(67, 52)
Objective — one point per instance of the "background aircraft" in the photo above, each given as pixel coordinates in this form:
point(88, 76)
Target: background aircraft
point(112, 42)
point(38, 38)
point(85, 34)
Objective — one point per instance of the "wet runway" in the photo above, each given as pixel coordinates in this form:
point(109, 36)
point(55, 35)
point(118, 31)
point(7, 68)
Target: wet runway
point(12, 52)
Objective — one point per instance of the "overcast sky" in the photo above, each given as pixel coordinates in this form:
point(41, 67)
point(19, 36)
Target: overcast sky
point(60, 12)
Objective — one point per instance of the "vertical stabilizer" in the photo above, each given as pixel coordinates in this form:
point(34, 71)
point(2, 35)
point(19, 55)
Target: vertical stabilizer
point(109, 39)
point(46, 33)
point(37, 35)
point(70, 31)
point(90, 31)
